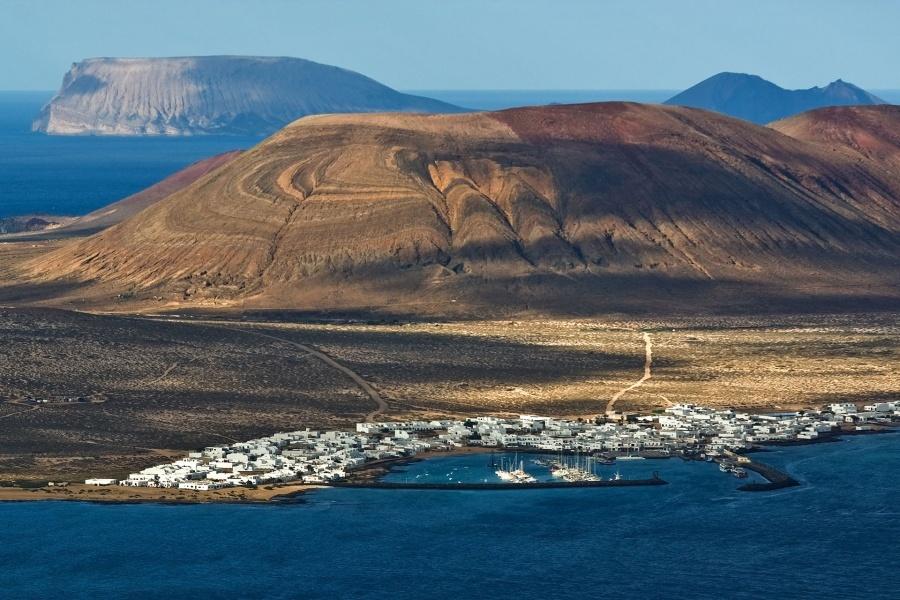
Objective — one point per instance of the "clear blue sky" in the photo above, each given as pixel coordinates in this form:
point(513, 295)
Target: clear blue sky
point(475, 44)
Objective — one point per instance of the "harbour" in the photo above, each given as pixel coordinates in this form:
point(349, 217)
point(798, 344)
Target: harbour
point(529, 485)
point(575, 449)
point(698, 536)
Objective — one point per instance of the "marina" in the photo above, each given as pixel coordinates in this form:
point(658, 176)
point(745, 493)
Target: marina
point(573, 449)
point(525, 485)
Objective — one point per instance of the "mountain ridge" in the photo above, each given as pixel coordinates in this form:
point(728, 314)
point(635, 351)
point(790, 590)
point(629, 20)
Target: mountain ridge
point(568, 207)
point(752, 98)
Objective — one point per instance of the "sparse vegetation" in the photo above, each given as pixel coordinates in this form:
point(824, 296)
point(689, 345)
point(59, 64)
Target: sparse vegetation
point(174, 386)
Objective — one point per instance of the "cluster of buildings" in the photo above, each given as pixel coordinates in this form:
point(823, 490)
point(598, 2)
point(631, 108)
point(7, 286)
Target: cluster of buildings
point(322, 456)
point(65, 399)
point(301, 456)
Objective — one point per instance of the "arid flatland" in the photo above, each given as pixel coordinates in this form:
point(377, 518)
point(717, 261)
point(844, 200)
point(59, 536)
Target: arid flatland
point(121, 392)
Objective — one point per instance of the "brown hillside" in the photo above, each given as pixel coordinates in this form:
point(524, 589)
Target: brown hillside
point(564, 208)
point(873, 131)
point(132, 205)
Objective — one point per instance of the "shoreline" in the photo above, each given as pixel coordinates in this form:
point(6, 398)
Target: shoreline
point(368, 476)
point(116, 494)
point(499, 486)
point(273, 494)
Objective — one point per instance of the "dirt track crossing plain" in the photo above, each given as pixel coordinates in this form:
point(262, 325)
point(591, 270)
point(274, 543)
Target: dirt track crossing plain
point(121, 391)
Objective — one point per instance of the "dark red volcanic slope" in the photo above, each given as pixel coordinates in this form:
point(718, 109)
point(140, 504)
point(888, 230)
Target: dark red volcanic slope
point(873, 131)
point(566, 209)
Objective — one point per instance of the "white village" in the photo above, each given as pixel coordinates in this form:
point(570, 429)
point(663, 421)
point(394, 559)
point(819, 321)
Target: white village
point(321, 457)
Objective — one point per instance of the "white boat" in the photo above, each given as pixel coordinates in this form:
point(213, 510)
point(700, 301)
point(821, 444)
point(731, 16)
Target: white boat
point(630, 457)
point(514, 475)
point(505, 475)
point(558, 469)
point(521, 476)
point(575, 470)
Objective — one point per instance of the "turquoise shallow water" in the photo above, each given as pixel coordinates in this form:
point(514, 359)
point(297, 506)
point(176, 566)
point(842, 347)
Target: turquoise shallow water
point(837, 536)
point(481, 468)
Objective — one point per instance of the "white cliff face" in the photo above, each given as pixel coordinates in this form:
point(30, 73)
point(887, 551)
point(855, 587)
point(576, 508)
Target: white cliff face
point(211, 95)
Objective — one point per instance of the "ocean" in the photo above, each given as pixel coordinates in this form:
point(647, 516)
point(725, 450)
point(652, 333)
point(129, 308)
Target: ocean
point(836, 536)
point(73, 175)
point(500, 99)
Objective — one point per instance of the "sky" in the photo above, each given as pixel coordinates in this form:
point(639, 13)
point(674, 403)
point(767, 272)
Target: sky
point(475, 44)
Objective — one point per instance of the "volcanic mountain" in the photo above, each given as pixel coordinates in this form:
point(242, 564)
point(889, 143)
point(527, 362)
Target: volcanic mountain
point(753, 98)
point(569, 209)
point(211, 94)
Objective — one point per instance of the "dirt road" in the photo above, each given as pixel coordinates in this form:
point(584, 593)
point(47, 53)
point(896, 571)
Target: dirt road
point(364, 385)
point(648, 363)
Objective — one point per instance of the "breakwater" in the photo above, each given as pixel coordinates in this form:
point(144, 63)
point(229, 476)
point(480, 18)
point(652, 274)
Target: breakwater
point(540, 485)
point(775, 479)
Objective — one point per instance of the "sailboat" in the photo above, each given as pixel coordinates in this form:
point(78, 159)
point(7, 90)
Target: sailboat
point(511, 474)
point(521, 476)
point(575, 470)
point(504, 473)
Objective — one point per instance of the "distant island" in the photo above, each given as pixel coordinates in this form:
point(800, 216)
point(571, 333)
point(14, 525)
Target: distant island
point(241, 95)
point(754, 99)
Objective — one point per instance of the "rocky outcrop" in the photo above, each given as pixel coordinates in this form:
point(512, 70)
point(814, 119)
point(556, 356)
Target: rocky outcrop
point(753, 98)
point(211, 95)
point(31, 223)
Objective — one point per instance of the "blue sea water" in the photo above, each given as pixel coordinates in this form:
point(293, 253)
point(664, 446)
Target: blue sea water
point(836, 536)
point(73, 175)
point(889, 96)
point(500, 99)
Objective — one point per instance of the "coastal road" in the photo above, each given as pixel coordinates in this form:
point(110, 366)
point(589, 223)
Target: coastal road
point(648, 363)
point(365, 386)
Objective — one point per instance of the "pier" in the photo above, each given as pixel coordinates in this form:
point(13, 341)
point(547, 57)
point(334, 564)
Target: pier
point(496, 486)
point(775, 479)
